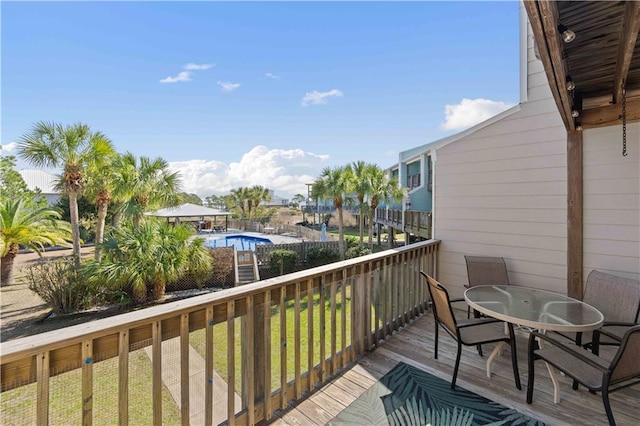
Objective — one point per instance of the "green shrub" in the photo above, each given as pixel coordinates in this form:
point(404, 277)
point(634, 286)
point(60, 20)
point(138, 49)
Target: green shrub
point(60, 285)
point(283, 261)
point(357, 251)
point(321, 256)
point(352, 241)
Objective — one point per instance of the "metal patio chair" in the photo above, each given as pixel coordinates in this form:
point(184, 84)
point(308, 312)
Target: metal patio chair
point(469, 332)
point(595, 373)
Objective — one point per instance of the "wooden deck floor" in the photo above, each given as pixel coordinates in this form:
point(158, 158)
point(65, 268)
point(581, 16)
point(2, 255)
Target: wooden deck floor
point(414, 345)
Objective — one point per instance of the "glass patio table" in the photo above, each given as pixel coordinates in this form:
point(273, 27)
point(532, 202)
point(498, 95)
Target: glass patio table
point(534, 309)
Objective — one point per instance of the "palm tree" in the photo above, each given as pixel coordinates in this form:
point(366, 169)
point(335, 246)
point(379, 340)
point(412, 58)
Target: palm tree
point(257, 194)
point(32, 228)
point(71, 148)
point(144, 184)
point(335, 184)
point(361, 171)
point(382, 189)
point(297, 200)
point(99, 188)
point(240, 199)
point(152, 254)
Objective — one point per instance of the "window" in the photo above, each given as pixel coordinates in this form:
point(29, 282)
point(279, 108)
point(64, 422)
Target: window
point(413, 181)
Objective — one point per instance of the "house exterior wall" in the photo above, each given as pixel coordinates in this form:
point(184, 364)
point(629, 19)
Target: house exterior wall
point(502, 191)
point(612, 201)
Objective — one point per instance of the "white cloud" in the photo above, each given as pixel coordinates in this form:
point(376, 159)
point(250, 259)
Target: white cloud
point(470, 112)
point(7, 148)
point(320, 98)
point(193, 67)
point(271, 76)
point(285, 171)
point(182, 76)
point(228, 86)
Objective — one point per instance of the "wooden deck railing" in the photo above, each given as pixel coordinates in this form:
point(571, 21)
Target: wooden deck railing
point(235, 355)
point(411, 221)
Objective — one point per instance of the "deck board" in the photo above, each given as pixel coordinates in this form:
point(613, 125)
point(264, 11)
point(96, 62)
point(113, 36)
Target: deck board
point(413, 344)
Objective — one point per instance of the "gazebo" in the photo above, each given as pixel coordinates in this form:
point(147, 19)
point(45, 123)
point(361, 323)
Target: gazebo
point(193, 213)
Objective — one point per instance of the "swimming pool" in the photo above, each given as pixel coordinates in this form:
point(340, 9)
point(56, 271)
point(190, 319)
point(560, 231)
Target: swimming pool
point(239, 242)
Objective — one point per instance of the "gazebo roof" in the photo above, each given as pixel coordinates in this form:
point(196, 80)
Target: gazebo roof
point(188, 210)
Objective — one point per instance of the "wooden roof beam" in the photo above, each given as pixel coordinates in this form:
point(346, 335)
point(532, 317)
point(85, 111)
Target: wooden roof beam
point(629, 34)
point(543, 17)
point(610, 115)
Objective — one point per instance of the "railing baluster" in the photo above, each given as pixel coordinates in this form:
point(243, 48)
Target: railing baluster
point(334, 320)
point(231, 363)
point(310, 337)
point(248, 349)
point(402, 287)
point(343, 312)
point(42, 388)
point(184, 369)
point(296, 327)
point(354, 306)
point(208, 367)
point(87, 382)
point(283, 347)
point(123, 378)
point(366, 306)
point(267, 355)
point(322, 327)
point(156, 371)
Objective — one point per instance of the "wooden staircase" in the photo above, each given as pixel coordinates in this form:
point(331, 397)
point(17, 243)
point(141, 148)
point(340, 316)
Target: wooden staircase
point(246, 266)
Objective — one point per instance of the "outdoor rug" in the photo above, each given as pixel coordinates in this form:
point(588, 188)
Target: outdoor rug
point(409, 396)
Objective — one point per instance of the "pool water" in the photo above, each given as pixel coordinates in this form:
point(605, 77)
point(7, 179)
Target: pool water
point(239, 242)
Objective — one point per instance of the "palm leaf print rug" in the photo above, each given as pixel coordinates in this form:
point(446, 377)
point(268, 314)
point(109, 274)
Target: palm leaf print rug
point(409, 396)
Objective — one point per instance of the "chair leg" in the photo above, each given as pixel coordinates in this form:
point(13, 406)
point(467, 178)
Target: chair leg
point(530, 362)
point(607, 405)
point(455, 369)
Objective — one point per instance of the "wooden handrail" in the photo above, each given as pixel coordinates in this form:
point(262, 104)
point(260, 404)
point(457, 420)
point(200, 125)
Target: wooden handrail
point(381, 291)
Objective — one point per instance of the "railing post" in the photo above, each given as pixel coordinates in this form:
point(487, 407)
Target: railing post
point(123, 378)
point(42, 389)
point(87, 383)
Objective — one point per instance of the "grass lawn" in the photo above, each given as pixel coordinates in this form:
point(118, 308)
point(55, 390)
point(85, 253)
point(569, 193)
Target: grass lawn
point(197, 338)
point(18, 406)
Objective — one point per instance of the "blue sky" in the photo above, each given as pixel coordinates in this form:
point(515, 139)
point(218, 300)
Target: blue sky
point(269, 93)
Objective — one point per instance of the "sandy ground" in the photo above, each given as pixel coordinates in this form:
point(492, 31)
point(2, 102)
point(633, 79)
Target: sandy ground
point(21, 309)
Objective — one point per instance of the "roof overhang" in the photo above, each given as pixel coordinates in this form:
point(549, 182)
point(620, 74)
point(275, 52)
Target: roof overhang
point(602, 61)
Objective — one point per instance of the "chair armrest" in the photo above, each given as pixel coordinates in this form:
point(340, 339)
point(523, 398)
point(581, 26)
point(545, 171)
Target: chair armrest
point(460, 299)
point(573, 350)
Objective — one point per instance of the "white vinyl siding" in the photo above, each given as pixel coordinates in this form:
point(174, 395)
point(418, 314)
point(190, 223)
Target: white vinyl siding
point(612, 201)
point(502, 191)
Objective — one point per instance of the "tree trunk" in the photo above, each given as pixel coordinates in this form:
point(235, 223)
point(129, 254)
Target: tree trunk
point(6, 268)
point(361, 223)
point(75, 226)
point(158, 290)
point(139, 295)
point(117, 216)
point(372, 212)
point(102, 217)
point(341, 234)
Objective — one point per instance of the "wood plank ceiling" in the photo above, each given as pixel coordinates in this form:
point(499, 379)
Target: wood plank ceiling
point(602, 60)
